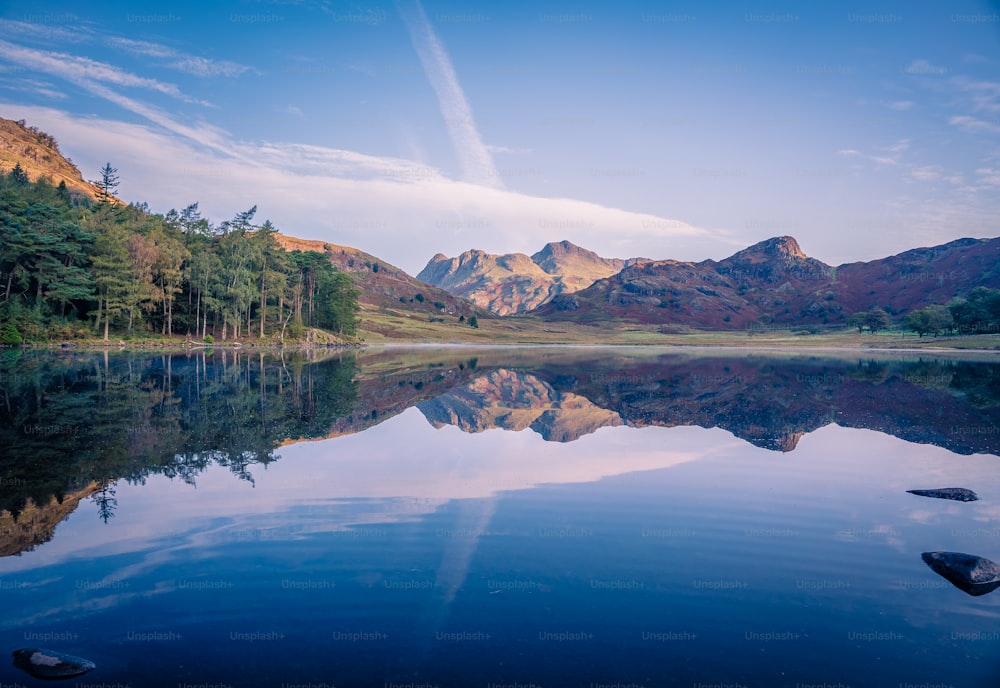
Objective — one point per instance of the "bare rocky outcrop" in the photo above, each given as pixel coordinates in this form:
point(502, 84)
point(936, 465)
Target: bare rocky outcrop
point(514, 282)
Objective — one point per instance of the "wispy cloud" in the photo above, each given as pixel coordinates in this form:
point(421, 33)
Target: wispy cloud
point(924, 67)
point(83, 70)
point(973, 125)
point(506, 149)
point(48, 33)
point(886, 155)
point(474, 157)
point(932, 173)
point(984, 95)
point(45, 35)
point(140, 47)
point(397, 209)
point(183, 62)
point(988, 176)
point(902, 105)
point(42, 88)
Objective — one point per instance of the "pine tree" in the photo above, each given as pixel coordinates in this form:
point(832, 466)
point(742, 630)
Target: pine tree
point(19, 176)
point(108, 185)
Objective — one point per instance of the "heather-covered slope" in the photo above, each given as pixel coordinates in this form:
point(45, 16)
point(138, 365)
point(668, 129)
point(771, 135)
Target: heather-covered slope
point(383, 285)
point(775, 283)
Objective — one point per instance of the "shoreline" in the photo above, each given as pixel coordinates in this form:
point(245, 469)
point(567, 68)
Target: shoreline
point(726, 341)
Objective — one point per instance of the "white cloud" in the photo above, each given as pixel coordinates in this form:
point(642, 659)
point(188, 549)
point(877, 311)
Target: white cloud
point(83, 70)
point(47, 33)
point(926, 173)
point(985, 95)
point(899, 147)
point(932, 173)
point(42, 88)
point(141, 47)
point(892, 158)
point(507, 149)
point(200, 66)
point(474, 157)
point(973, 125)
point(989, 176)
point(182, 62)
point(396, 209)
point(902, 105)
point(923, 67)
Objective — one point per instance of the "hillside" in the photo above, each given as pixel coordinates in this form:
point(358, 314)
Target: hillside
point(39, 156)
point(514, 282)
point(775, 283)
point(388, 290)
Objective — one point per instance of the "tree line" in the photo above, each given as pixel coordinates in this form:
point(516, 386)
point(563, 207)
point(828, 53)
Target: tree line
point(978, 312)
point(73, 267)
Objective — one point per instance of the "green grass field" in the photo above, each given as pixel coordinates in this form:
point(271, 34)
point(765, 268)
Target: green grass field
point(392, 326)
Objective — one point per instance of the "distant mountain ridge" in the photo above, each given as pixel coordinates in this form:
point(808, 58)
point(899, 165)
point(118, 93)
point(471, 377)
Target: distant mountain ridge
point(515, 282)
point(774, 283)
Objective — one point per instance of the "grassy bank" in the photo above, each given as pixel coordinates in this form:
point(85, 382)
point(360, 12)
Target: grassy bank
point(387, 326)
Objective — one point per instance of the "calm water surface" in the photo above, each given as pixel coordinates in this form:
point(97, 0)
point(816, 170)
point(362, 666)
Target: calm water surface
point(498, 518)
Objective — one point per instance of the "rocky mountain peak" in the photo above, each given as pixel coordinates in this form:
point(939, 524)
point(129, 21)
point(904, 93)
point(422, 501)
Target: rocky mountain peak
point(556, 256)
point(514, 282)
point(775, 247)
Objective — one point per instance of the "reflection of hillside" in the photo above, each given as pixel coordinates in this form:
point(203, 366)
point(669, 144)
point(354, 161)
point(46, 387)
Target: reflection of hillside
point(768, 401)
point(82, 419)
point(517, 401)
point(772, 403)
point(35, 525)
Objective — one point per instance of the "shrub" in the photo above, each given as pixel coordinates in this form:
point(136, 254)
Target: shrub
point(10, 336)
point(209, 339)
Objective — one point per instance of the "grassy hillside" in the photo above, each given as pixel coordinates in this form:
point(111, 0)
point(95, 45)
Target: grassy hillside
point(39, 156)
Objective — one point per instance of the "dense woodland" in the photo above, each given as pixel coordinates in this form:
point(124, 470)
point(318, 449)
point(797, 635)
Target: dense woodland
point(72, 267)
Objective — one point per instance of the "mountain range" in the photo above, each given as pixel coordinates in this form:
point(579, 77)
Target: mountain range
point(775, 283)
point(772, 283)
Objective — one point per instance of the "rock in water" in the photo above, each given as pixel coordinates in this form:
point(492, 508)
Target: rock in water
point(48, 664)
point(958, 494)
point(967, 572)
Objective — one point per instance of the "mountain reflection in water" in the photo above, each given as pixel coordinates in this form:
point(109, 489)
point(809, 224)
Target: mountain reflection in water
point(476, 516)
point(76, 424)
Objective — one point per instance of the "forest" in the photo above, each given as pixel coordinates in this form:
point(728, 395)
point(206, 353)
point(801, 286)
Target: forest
point(72, 267)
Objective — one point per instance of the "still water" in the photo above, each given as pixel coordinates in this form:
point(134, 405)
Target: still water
point(503, 518)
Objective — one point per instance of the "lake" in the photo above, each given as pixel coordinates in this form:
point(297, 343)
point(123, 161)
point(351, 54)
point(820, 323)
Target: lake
point(505, 518)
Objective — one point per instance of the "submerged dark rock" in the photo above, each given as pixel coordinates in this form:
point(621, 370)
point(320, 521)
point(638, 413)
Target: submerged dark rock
point(50, 664)
point(967, 572)
point(958, 494)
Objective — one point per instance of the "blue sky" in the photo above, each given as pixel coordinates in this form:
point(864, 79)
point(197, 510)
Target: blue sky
point(638, 128)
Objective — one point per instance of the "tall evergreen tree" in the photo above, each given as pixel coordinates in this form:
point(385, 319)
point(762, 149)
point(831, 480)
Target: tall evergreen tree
point(108, 184)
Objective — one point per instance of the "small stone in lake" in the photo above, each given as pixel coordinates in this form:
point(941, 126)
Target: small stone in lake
point(958, 494)
point(967, 572)
point(50, 664)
